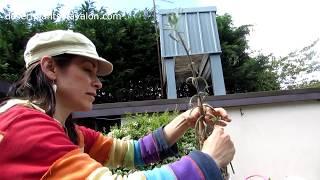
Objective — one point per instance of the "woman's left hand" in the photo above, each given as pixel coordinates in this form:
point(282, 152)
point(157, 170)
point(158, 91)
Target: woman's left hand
point(179, 125)
point(192, 115)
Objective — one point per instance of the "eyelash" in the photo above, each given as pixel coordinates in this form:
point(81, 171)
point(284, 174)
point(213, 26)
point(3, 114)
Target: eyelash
point(88, 70)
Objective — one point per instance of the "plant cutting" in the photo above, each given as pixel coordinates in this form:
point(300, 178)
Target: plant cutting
point(202, 128)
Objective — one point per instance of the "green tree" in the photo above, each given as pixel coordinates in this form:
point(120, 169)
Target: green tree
point(13, 34)
point(296, 70)
point(129, 43)
point(243, 73)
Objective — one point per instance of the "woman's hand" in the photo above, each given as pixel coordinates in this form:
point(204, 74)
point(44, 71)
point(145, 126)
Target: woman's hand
point(179, 125)
point(192, 115)
point(220, 147)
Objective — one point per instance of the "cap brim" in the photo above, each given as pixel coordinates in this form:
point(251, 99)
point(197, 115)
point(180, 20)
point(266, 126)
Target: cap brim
point(104, 66)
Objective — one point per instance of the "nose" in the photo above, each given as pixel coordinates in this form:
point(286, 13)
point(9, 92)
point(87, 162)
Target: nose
point(97, 83)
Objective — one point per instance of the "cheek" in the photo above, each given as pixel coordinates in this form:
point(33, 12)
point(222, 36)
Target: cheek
point(74, 82)
point(79, 77)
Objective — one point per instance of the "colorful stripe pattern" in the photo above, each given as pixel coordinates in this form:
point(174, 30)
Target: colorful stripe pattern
point(48, 153)
point(149, 149)
point(127, 153)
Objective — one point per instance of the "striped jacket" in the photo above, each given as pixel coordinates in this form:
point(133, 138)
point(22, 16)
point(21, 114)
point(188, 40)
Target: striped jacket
point(33, 145)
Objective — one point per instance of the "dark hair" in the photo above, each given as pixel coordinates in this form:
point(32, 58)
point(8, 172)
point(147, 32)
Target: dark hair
point(35, 86)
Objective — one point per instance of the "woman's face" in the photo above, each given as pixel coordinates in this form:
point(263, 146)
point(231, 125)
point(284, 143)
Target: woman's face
point(77, 84)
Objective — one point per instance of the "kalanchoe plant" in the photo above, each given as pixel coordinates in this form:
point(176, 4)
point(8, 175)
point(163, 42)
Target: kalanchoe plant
point(202, 129)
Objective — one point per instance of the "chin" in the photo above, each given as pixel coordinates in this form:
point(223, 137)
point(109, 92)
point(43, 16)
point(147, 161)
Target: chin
point(89, 108)
point(86, 107)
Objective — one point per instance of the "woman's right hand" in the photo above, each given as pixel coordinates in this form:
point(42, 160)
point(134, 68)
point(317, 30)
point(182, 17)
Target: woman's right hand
point(220, 147)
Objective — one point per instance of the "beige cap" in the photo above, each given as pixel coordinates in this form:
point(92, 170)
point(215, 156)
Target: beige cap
point(58, 42)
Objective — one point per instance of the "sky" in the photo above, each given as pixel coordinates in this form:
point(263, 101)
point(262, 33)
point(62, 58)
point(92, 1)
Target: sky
point(279, 26)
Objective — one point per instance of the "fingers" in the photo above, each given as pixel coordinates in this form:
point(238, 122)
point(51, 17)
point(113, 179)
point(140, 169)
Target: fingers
point(220, 123)
point(221, 112)
point(194, 111)
point(217, 132)
point(214, 123)
point(214, 111)
point(217, 112)
point(217, 116)
point(220, 147)
point(214, 116)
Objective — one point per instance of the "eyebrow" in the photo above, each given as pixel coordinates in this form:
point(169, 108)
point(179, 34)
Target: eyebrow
point(93, 64)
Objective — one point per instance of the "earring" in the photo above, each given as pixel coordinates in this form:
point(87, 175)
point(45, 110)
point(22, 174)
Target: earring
point(54, 87)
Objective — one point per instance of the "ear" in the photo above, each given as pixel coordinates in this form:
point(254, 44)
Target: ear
point(48, 67)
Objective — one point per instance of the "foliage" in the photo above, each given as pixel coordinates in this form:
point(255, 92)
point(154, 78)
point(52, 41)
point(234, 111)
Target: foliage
point(309, 84)
point(14, 34)
point(243, 73)
point(129, 42)
point(295, 70)
point(138, 125)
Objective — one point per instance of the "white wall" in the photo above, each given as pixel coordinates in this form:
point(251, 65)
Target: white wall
point(276, 140)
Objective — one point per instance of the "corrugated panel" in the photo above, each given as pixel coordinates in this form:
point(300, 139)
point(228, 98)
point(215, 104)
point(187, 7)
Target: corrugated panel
point(206, 26)
point(194, 33)
point(198, 28)
point(182, 23)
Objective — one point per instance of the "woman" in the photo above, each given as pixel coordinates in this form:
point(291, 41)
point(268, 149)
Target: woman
point(38, 140)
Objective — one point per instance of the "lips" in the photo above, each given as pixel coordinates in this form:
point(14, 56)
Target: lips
point(91, 94)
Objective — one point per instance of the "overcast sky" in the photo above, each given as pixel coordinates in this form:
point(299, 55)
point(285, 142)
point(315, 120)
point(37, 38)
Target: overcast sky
point(279, 26)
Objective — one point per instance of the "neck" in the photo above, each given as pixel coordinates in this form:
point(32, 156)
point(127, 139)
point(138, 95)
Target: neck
point(61, 113)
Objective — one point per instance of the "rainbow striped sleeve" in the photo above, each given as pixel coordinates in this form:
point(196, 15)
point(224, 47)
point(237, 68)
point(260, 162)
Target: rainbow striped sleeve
point(151, 148)
point(45, 152)
point(77, 165)
point(115, 153)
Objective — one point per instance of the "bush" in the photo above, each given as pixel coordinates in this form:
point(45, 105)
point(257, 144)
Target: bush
point(139, 125)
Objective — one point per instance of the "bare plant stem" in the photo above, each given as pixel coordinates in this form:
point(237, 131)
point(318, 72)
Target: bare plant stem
point(201, 127)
